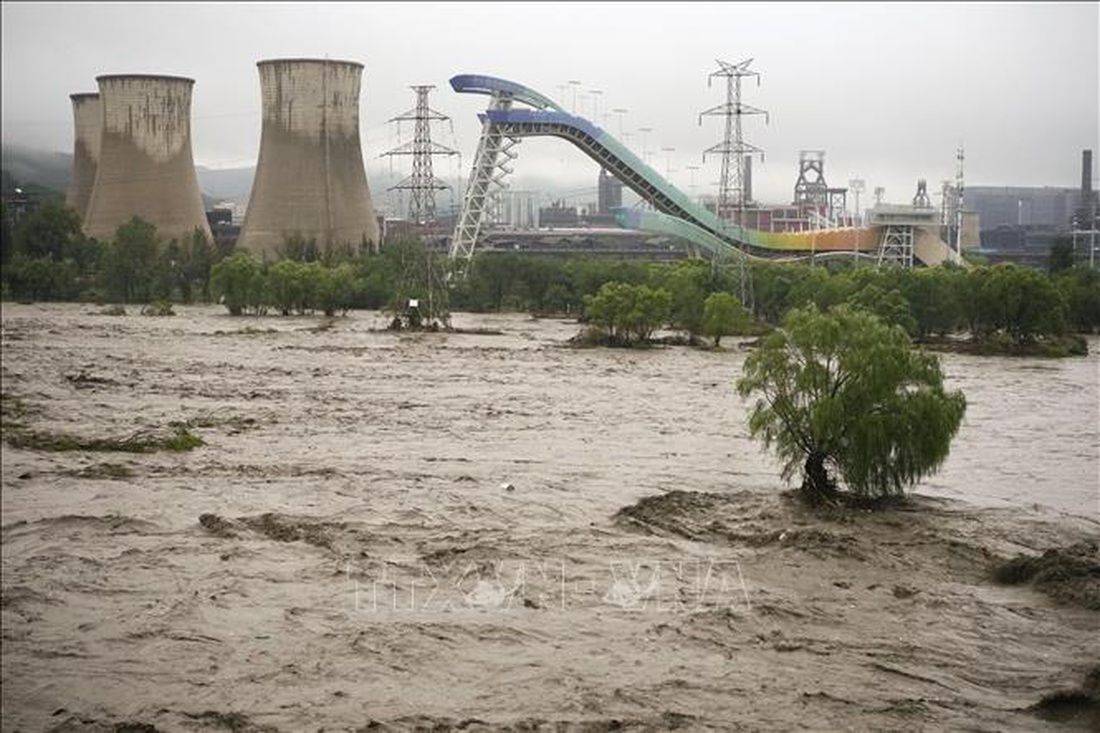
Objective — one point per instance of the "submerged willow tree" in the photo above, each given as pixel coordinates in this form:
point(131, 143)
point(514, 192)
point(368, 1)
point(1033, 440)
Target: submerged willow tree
point(844, 396)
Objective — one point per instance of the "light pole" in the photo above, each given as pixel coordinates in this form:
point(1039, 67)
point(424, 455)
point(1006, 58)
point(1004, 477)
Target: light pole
point(575, 83)
point(668, 162)
point(857, 184)
point(595, 104)
point(645, 153)
point(620, 111)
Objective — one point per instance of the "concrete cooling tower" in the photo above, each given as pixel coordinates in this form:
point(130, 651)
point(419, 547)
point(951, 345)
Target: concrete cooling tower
point(87, 125)
point(145, 164)
point(310, 179)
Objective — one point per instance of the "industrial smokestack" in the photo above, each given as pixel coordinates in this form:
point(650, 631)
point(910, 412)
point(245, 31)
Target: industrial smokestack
point(1086, 176)
point(87, 126)
point(145, 164)
point(310, 180)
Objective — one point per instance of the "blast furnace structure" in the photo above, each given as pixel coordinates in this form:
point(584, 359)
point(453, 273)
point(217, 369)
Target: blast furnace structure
point(146, 167)
point(310, 180)
point(87, 128)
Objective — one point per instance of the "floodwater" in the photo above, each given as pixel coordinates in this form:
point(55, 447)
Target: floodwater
point(347, 469)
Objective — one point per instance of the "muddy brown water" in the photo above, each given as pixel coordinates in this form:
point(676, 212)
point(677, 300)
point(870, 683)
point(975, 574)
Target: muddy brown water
point(411, 524)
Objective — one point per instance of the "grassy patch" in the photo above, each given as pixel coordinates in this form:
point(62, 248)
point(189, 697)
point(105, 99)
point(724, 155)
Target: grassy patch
point(180, 439)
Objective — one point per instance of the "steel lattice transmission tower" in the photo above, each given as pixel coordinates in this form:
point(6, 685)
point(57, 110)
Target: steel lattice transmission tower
point(422, 183)
point(731, 185)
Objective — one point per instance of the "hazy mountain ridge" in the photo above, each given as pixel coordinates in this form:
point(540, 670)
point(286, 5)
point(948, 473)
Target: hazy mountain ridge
point(53, 170)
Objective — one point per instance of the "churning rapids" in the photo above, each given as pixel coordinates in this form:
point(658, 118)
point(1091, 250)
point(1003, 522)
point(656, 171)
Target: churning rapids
point(452, 530)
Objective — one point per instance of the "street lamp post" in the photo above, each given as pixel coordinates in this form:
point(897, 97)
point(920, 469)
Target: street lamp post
point(668, 162)
point(620, 111)
point(645, 153)
point(595, 104)
point(575, 83)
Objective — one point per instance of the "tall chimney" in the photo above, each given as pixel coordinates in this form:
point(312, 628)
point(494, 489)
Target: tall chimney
point(1086, 177)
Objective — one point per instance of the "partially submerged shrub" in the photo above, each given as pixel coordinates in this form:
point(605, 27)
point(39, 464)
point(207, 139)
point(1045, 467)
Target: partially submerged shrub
point(160, 308)
point(180, 439)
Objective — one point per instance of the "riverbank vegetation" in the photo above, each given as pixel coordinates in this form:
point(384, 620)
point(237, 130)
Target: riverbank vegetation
point(1001, 309)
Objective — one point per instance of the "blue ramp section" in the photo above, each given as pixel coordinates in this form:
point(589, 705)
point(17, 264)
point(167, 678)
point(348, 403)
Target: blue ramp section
point(479, 84)
point(548, 119)
point(620, 161)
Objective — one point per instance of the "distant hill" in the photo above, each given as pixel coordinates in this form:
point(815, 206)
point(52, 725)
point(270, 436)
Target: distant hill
point(26, 166)
point(53, 170)
point(228, 184)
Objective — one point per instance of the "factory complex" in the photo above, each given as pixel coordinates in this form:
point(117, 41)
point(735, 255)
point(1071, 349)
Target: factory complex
point(132, 156)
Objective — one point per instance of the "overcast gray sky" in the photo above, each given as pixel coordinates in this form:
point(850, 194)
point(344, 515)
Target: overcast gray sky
point(888, 90)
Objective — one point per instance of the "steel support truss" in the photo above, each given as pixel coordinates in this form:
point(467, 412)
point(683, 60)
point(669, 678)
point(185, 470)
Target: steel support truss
point(494, 152)
point(896, 248)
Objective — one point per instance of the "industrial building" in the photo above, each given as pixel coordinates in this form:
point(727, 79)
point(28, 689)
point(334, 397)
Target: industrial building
point(1021, 224)
point(87, 130)
point(145, 166)
point(999, 206)
point(310, 181)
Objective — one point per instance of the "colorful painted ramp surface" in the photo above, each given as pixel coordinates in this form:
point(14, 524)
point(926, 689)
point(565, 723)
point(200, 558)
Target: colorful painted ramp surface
point(693, 222)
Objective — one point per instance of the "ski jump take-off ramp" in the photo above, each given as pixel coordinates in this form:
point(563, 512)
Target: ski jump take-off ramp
point(674, 213)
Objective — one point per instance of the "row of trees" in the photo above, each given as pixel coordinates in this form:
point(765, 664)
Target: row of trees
point(46, 257)
point(245, 286)
point(629, 314)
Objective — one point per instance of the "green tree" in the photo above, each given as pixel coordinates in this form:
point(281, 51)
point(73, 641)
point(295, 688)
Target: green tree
point(41, 278)
point(819, 286)
point(7, 232)
point(52, 230)
point(687, 285)
point(546, 288)
point(291, 285)
point(1080, 287)
point(628, 313)
point(844, 396)
point(935, 299)
point(494, 278)
point(724, 315)
point(889, 305)
point(1061, 255)
point(131, 261)
point(296, 247)
point(237, 281)
point(1016, 301)
point(336, 289)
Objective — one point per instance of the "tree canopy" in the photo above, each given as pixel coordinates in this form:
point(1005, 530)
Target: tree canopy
point(846, 397)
